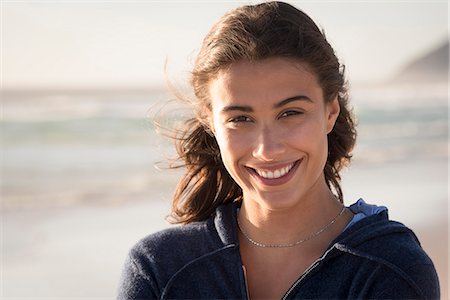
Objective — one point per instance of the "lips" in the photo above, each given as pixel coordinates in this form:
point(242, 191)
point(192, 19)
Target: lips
point(274, 176)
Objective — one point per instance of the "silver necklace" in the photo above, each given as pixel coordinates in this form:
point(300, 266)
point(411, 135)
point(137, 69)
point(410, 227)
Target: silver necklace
point(291, 244)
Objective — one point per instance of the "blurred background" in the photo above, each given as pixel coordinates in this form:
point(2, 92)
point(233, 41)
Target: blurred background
point(80, 82)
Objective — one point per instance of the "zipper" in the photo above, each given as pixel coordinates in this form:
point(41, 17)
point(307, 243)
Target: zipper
point(296, 283)
point(314, 264)
point(309, 270)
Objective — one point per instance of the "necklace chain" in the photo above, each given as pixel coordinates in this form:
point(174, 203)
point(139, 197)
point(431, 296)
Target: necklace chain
point(291, 244)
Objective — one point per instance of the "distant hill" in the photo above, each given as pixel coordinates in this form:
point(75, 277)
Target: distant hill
point(432, 67)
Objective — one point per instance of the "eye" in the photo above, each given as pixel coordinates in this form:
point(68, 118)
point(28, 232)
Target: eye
point(289, 113)
point(239, 119)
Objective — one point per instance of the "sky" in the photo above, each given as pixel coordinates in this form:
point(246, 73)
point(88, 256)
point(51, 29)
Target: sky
point(123, 44)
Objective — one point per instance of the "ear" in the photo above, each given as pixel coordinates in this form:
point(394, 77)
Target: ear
point(332, 112)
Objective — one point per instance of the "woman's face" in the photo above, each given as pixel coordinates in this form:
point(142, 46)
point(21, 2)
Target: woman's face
point(271, 123)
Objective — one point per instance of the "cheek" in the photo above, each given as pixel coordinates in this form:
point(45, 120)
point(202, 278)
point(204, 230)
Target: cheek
point(234, 150)
point(309, 138)
point(231, 146)
point(231, 151)
point(224, 142)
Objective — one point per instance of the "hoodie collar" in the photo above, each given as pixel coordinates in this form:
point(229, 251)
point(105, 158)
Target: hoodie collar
point(370, 221)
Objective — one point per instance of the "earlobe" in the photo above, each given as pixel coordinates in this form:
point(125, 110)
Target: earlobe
point(333, 113)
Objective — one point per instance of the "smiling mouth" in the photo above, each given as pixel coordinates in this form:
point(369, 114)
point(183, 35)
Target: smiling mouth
point(275, 174)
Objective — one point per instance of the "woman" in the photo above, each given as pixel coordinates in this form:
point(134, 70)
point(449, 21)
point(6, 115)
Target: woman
point(260, 202)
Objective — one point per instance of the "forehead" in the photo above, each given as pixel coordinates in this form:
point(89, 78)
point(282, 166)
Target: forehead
point(264, 82)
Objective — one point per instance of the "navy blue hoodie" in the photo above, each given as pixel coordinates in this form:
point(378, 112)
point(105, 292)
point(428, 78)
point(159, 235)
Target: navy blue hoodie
point(373, 259)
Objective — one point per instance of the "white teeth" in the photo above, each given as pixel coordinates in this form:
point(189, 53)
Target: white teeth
point(275, 174)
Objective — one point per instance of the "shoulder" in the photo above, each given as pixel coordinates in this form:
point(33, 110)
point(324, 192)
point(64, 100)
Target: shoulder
point(396, 252)
point(156, 258)
point(389, 241)
point(175, 245)
point(184, 242)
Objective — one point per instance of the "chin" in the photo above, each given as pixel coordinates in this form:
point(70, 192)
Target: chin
point(276, 201)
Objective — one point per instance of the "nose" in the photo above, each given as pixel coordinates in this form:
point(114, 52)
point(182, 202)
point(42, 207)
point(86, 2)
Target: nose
point(269, 145)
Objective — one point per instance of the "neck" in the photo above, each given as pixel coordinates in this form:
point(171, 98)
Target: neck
point(286, 226)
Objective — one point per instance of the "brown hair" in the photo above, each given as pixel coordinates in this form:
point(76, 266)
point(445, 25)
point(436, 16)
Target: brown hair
point(254, 33)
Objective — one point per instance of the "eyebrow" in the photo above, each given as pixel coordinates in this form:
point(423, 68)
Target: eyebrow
point(292, 99)
point(246, 108)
